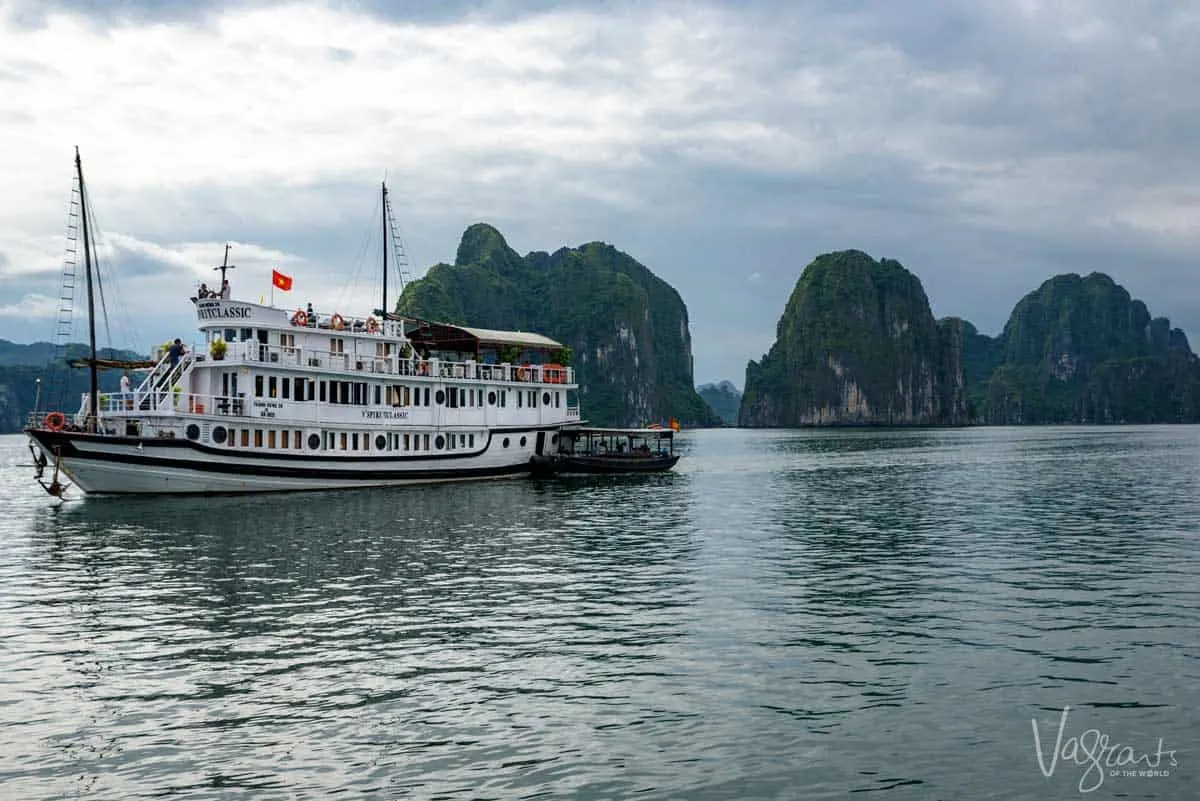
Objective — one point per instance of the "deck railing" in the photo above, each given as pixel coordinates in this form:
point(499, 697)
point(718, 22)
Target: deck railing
point(392, 364)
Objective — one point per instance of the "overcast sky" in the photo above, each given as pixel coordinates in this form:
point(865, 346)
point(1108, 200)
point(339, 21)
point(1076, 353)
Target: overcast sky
point(987, 146)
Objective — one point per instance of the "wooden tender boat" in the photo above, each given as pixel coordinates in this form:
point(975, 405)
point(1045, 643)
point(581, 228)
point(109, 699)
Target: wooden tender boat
point(610, 450)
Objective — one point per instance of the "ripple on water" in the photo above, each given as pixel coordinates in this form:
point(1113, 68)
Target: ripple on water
point(786, 615)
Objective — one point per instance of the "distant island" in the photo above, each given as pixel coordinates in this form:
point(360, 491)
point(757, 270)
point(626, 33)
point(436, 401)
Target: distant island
point(858, 345)
point(724, 399)
point(23, 366)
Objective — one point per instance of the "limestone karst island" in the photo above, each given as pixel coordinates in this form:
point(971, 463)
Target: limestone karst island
point(856, 344)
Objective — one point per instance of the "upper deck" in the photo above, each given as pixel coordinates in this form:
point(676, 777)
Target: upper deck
point(328, 342)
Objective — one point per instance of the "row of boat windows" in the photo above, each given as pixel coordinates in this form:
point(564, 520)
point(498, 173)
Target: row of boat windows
point(284, 439)
point(362, 393)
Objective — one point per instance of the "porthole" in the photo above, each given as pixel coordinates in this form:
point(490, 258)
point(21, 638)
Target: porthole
point(193, 431)
point(380, 442)
point(218, 434)
point(505, 443)
point(314, 441)
point(522, 442)
point(440, 442)
point(439, 398)
point(491, 399)
point(545, 398)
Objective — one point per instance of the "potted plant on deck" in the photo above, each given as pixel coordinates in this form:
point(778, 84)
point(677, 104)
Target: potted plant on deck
point(217, 349)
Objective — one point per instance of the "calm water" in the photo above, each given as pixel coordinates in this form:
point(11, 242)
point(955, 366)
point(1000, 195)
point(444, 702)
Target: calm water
point(788, 615)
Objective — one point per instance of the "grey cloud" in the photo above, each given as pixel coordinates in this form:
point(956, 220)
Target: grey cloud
point(984, 150)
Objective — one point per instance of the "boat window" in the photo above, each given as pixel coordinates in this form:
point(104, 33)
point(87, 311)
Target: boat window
point(342, 440)
point(283, 439)
point(321, 386)
point(271, 438)
point(354, 441)
point(314, 441)
point(245, 438)
point(285, 387)
point(272, 387)
point(426, 443)
point(545, 398)
point(258, 438)
point(337, 345)
point(520, 399)
point(258, 386)
point(231, 335)
point(381, 442)
point(406, 442)
point(492, 397)
point(378, 395)
point(471, 440)
point(557, 400)
point(440, 442)
point(426, 403)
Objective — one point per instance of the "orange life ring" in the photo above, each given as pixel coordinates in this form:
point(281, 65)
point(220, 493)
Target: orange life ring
point(337, 322)
point(522, 374)
point(300, 318)
point(55, 421)
point(372, 325)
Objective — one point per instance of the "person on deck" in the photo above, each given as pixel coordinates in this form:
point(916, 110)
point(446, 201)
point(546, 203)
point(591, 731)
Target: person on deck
point(225, 289)
point(125, 389)
point(176, 351)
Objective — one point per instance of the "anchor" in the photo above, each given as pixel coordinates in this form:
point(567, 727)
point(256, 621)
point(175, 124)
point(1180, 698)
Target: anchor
point(39, 461)
point(56, 488)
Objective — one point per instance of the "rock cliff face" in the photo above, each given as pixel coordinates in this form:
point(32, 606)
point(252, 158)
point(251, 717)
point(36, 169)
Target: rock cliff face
point(857, 345)
point(627, 328)
point(1079, 349)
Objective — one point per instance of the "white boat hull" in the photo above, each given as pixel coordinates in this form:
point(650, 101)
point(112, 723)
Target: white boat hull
point(104, 465)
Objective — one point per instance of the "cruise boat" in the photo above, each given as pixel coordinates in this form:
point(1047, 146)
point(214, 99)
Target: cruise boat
point(271, 399)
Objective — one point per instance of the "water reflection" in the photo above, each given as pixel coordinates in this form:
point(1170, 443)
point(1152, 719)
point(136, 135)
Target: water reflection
point(773, 619)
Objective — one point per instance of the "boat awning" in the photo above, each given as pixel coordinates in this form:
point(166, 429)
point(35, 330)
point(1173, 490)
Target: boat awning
point(459, 337)
point(487, 336)
point(618, 432)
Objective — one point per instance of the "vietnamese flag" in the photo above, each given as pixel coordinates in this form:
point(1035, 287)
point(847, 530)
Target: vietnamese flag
point(282, 281)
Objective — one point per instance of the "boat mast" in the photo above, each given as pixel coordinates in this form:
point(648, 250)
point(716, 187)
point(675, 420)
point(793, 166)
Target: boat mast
point(383, 308)
point(93, 379)
point(224, 267)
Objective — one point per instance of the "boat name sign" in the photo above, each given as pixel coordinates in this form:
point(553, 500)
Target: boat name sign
point(216, 310)
point(384, 414)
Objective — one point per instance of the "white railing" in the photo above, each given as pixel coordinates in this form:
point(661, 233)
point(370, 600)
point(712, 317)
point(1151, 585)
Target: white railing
point(256, 352)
